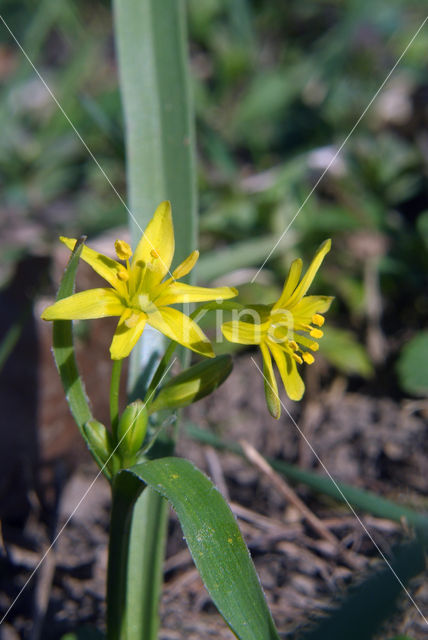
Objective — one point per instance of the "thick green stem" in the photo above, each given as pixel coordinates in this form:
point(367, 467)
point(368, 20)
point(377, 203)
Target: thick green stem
point(123, 500)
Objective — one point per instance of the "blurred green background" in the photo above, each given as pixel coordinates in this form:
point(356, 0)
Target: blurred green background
point(277, 88)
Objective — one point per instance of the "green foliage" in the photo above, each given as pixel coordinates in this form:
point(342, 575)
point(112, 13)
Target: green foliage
point(151, 44)
point(343, 350)
point(412, 365)
point(85, 633)
point(216, 544)
point(194, 383)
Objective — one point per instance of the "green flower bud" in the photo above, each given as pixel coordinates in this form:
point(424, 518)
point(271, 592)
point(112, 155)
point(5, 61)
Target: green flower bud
point(193, 384)
point(132, 428)
point(99, 441)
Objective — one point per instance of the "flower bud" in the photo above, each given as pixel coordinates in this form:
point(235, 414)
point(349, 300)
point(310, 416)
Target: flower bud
point(132, 428)
point(99, 441)
point(193, 384)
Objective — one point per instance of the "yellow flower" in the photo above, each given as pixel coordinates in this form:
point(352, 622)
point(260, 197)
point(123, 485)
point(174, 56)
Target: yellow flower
point(139, 292)
point(286, 329)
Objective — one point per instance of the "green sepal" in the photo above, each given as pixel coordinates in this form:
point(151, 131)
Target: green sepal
point(272, 399)
point(193, 384)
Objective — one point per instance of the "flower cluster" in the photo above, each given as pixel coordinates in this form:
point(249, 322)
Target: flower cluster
point(142, 290)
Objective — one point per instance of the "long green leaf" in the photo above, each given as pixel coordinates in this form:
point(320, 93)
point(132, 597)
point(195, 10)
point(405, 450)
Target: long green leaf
point(63, 349)
point(216, 544)
point(154, 80)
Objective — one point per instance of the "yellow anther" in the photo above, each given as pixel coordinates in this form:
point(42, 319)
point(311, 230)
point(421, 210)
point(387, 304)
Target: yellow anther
point(123, 275)
point(154, 253)
point(314, 346)
point(293, 345)
point(308, 358)
point(133, 319)
point(318, 319)
point(316, 333)
point(123, 250)
point(297, 358)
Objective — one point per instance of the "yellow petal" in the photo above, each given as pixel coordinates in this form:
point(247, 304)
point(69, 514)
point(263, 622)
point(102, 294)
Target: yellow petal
point(307, 307)
point(244, 332)
point(182, 329)
point(290, 377)
point(290, 283)
point(125, 337)
point(178, 292)
point(186, 266)
point(93, 303)
point(106, 267)
point(310, 274)
point(271, 387)
point(156, 247)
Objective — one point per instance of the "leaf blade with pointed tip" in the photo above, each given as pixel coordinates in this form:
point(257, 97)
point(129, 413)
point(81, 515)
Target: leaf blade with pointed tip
point(215, 542)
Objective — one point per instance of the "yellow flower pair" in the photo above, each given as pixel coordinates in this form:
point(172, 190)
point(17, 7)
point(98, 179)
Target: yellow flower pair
point(143, 289)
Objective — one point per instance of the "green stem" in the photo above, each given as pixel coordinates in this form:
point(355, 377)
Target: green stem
point(114, 394)
point(160, 372)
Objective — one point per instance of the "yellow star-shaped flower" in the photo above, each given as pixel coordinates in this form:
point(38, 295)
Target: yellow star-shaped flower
point(139, 292)
point(286, 330)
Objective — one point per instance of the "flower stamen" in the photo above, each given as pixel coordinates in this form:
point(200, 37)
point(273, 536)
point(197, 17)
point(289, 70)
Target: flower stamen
point(308, 357)
point(318, 319)
point(123, 250)
point(123, 274)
